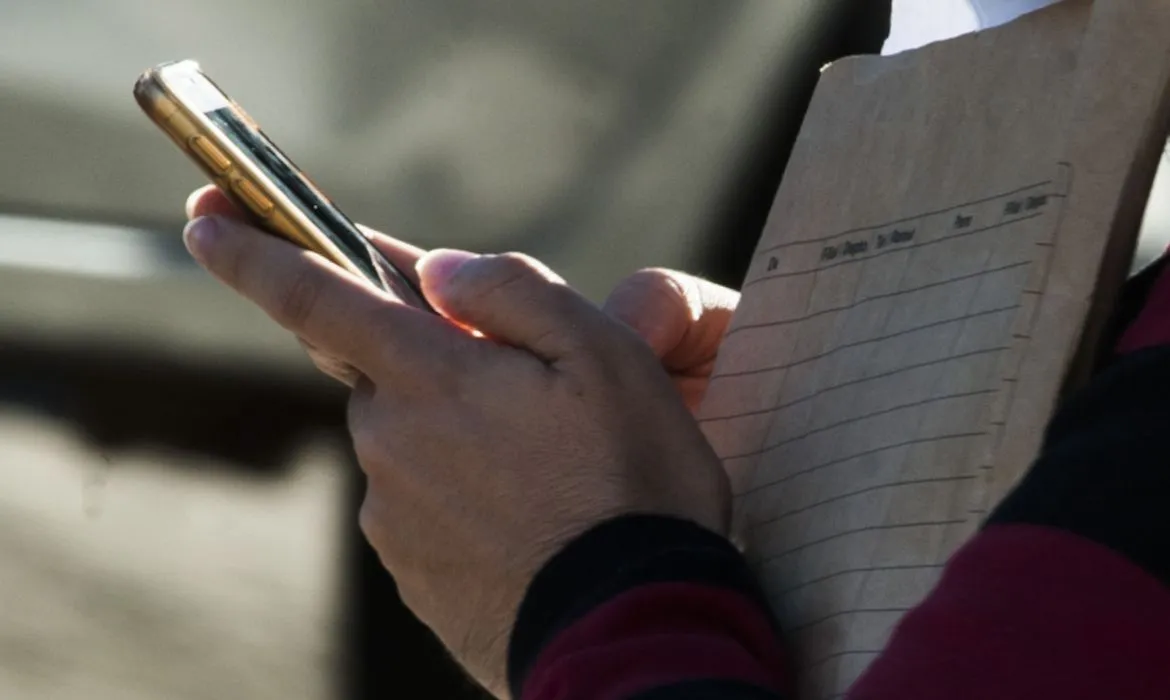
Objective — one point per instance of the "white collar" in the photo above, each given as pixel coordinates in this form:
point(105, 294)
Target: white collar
point(915, 23)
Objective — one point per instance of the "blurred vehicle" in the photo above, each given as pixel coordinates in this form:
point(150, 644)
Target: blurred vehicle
point(598, 137)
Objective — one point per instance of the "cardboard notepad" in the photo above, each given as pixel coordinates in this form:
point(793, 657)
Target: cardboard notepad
point(952, 224)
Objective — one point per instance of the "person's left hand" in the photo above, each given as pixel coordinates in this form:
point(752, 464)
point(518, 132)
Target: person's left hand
point(483, 456)
point(682, 318)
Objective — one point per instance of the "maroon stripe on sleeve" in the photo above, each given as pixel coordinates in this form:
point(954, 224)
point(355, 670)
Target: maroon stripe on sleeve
point(1030, 612)
point(660, 635)
point(1104, 470)
point(617, 556)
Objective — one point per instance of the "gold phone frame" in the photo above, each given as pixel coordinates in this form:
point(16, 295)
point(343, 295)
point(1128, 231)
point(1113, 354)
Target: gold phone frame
point(178, 97)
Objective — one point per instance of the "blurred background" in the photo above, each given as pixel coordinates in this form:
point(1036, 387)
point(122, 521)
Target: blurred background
point(177, 500)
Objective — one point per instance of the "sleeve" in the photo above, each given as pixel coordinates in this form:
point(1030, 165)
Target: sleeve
point(646, 608)
point(1065, 592)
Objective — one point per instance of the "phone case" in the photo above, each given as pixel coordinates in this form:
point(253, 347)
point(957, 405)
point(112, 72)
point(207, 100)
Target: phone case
point(305, 217)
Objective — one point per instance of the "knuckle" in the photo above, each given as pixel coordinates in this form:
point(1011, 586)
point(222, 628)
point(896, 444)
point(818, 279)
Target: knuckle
point(330, 365)
point(240, 259)
point(515, 261)
point(235, 264)
point(490, 276)
point(297, 300)
point(371, 456)
point(367, 445)
point(369, 522)
point(658, 279)
point(368, 442)
point(504, 271)
point(652, 277)
point(649, 292)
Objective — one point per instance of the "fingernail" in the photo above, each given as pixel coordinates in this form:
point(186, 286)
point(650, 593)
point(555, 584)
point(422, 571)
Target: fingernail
point(192, 199)
point(199, 235)
point(439, 265)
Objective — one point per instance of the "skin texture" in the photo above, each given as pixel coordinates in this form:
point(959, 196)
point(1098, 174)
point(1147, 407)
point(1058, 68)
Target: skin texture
point(486, 452)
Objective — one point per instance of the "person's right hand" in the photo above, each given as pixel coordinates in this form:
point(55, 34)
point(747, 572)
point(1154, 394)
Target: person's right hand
point(484, 456)
point(682, 318)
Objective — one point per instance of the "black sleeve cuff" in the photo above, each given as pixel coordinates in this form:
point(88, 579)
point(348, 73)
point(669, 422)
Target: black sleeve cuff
point(612, 558)
point(1104, 470)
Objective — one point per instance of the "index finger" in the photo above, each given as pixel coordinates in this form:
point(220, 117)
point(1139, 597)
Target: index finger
point(316, 300)
point(211, 201)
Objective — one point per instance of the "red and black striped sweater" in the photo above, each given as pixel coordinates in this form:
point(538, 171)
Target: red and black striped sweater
point(1062, 594)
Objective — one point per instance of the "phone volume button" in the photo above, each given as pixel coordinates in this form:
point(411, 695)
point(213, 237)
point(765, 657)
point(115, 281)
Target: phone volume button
point(252, 195)
point(209, 154)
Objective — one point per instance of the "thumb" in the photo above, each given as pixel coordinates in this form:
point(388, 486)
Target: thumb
point(655, 306)
point(511, 298)
point(681, 317)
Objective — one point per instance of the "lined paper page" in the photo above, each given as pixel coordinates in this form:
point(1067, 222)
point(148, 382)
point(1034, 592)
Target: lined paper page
point(922, 283)
point(876, 397)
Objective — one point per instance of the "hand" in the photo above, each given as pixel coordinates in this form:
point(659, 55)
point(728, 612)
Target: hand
point(682, 318)
point(483, 457)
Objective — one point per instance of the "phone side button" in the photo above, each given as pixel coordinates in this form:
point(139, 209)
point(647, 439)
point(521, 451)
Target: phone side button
point(211, 155)
point(252, 195)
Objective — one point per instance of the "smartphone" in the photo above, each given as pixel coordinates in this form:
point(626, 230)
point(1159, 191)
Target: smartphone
point(229, 147)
